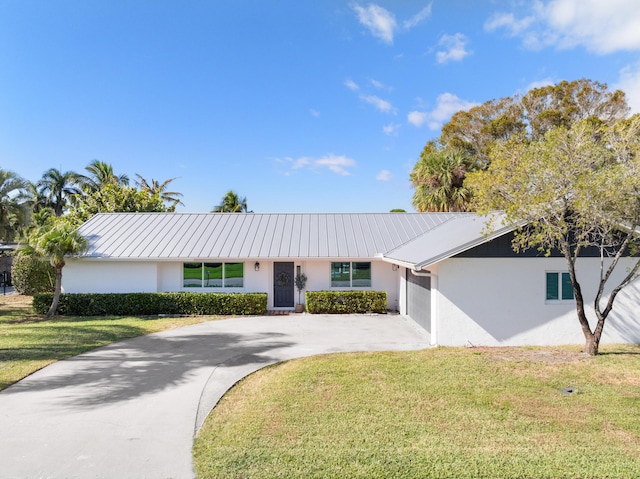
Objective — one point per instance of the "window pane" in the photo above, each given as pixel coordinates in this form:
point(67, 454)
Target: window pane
point(567, 289)
point(340, 275)
point(213, 275)
point(233, 275)
point(361, 276)
point(552, 286)
point(192, 275)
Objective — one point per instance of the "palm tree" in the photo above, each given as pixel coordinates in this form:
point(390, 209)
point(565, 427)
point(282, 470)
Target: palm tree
point(160, 189)
point(55, 241)
point(439, 181)
point(59, 188)
point(100, 175)
point(231, 203)
point(14, 204)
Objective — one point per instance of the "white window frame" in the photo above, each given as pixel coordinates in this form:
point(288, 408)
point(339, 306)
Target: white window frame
point(350, 285)
point(224, 286)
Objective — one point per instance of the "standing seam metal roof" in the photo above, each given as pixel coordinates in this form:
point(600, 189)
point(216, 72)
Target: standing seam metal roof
point(183, 236)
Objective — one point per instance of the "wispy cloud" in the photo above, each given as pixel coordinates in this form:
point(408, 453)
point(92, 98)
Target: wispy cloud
point(351, 85)
point(600, 27)
point(314, 113)
point(454, 48)
point(339, 165)
point(418, 18)
point(381, 86)
point(379, 104)
point(446, 105)
point(384, 175)
point(391, 129)
point(380, 22)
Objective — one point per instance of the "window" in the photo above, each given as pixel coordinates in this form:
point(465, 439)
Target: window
point(559, 287)
point(213, 275)
point(346, 275)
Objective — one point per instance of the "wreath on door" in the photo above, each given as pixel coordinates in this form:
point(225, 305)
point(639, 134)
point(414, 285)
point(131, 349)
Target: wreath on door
point(283, 279)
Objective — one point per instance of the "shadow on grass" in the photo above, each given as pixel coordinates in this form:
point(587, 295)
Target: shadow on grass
point(143, 365)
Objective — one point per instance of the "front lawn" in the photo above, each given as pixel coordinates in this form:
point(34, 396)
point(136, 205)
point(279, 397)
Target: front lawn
point(28, 342)
point(446, 413)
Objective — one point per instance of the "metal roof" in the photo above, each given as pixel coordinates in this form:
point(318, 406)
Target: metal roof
point(458, 234)
point(185, 236)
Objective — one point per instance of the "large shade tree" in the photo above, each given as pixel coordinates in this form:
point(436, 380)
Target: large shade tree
point(14, 205)
point(576, 186)
point(58, 188)
point(474, 132)
point(231, 203)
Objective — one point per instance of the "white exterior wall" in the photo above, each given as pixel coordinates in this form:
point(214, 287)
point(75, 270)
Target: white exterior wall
point(99, 276)
point(501, 301)
point(80, 276)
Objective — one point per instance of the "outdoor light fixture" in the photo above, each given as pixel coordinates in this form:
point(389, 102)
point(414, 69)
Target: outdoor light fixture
point(256, 266)
point(394, 267)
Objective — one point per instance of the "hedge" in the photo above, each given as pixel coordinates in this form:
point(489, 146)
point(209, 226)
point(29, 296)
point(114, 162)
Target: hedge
point(142, 304)
point(346, 302)
point(31, 275)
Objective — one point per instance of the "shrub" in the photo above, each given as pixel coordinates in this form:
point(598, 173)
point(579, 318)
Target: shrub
point(31, 275)
point(142, 304)
point(341, 302)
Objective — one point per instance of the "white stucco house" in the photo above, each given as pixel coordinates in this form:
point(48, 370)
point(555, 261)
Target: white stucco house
point(441, 270)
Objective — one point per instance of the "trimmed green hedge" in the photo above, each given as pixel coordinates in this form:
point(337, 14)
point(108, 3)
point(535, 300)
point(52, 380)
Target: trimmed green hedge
point(142, 304)
point(341, 302)
point(31, 275)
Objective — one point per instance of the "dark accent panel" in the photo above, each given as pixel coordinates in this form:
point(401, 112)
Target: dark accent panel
point(501, 248)
point(283, 285)
point(419, 299)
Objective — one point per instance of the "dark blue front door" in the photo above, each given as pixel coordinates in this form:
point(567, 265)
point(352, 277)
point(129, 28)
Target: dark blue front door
point(283, 286)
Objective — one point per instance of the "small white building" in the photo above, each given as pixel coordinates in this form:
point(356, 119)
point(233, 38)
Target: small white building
point(440, 269)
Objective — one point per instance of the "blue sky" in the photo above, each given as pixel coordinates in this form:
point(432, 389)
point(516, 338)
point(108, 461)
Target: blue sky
point(301, 106)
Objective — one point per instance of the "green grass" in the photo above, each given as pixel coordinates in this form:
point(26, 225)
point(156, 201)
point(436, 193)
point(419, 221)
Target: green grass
point(28, 342)
point(447, 413)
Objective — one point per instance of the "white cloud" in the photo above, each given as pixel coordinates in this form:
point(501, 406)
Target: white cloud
point(351, 85)
point(336, 164)
point(539, 84)
point(380, 104)
point(381, 86)
point(417, 118)
point(629, 83)
point(380, 22)
point(600, 27)
point(391, 129)
point(314, 113)
point(446, 105)
point(384, 175)
point(455, 48)
point(418, 18)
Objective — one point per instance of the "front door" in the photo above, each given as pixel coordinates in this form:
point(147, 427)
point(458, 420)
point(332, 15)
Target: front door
point(283, 285)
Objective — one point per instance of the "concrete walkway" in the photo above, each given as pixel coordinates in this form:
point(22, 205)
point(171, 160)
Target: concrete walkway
point(131, 409)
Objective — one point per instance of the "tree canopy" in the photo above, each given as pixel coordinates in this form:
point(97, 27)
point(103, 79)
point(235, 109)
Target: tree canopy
point(474, 132)
point(576, 186)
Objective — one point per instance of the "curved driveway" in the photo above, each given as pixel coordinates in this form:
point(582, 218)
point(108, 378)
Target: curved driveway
point(131, 409)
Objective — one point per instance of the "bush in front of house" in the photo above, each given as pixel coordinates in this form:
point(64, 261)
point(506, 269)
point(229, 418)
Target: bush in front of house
point(31, 275)
point(143, 304)
point(346, 302)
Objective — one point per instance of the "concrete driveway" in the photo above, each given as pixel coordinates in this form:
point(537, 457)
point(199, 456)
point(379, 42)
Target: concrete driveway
point(132, 409)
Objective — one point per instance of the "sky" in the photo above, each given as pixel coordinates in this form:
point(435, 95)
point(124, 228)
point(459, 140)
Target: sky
point(301, 106)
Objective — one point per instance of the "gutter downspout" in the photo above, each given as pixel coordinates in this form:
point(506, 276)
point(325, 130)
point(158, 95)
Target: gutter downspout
point(434, 302)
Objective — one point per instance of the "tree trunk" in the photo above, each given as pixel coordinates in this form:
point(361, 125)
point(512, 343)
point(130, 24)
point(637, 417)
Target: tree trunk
point(591, 345)
point(56, 293)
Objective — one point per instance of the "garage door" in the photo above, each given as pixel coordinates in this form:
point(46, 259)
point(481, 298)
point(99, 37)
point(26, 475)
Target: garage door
point(419, 299)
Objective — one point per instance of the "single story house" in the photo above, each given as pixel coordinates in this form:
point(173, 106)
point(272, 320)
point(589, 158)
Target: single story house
point(464, 286)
